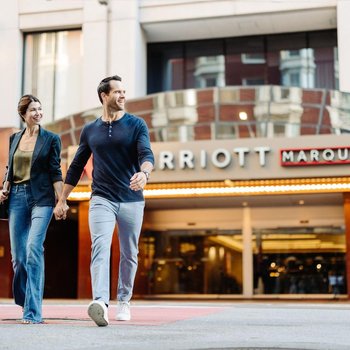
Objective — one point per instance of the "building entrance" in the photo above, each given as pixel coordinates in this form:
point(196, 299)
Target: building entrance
point(309, 260)
point(260, 250)
point(192, 262)
point(285, 261)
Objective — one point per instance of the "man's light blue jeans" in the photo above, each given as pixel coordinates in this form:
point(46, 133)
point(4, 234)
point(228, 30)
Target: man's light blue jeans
point(103, 215)
point(28, 226)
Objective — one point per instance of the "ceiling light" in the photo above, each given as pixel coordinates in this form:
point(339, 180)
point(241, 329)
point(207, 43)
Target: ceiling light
point(243, 116)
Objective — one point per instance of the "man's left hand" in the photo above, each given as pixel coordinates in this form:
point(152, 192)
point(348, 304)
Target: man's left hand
point(138, 181)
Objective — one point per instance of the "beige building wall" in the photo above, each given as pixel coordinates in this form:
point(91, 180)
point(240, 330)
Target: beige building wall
point(115, 36)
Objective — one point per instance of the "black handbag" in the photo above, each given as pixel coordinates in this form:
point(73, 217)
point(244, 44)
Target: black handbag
point(4, 206)
point(4, 210)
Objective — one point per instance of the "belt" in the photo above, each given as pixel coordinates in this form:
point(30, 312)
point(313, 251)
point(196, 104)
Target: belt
point(21, 184)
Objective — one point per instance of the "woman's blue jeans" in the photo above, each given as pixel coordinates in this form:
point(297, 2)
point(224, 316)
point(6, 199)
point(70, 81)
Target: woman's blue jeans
point(28, 226)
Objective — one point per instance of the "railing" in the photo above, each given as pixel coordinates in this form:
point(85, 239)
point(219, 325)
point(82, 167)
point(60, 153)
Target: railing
point(229, 112)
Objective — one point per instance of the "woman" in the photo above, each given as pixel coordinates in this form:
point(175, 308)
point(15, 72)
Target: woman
point(34, 176)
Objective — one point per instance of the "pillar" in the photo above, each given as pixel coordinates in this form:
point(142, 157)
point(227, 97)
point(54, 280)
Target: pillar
point(247, 233)
point(347, 239)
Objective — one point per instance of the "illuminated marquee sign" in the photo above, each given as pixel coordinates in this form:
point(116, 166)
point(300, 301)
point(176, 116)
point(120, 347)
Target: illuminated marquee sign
point(315, 156)
point(220, 158)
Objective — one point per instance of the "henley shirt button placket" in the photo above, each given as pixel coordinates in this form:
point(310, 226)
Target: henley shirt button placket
point(110, 131)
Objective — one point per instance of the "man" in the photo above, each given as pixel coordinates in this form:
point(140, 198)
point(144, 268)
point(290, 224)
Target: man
point(122, 162)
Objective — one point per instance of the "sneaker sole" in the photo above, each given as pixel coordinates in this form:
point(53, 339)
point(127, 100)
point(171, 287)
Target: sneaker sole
point(123, 318)
point(95, 311)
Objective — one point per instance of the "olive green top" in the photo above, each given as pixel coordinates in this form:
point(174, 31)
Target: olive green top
point(21, 166)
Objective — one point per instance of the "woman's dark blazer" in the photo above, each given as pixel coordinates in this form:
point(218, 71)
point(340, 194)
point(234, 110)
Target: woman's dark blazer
point(45, 169)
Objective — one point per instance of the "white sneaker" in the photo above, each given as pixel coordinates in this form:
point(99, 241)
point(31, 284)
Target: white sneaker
point(98, 312)
point(123, 311)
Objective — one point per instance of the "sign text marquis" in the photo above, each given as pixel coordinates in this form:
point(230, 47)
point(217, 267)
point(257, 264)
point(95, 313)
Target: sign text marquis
point(315, 156)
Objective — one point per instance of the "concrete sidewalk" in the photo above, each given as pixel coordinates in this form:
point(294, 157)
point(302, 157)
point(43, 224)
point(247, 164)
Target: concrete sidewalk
point(183, 325)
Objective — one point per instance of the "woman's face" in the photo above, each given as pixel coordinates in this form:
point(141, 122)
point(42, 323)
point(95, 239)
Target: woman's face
point(33, 114)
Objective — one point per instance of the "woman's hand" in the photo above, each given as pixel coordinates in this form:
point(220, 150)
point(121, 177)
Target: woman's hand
point(3, 195)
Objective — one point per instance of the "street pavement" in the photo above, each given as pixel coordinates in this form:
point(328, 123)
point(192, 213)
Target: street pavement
point(195, 325)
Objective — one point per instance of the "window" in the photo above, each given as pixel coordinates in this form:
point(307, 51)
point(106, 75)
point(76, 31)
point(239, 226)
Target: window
point(306, 60)
point(52, 71)
point(253, 58)
point(286, 260)
point(209, 82)
point(253, 81)
point(294, 53)
point(209, 71)
point(294, 79)
point(184, 262)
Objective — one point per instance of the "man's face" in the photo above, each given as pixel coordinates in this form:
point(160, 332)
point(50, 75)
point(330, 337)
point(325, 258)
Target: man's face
point(116, 98)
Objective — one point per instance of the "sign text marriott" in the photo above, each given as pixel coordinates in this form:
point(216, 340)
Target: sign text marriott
point(222, 158)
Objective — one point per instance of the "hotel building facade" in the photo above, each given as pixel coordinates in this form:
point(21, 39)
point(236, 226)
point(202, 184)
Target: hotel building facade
point(248, 107)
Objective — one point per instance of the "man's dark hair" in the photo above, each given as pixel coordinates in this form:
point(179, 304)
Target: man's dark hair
point(104, 86)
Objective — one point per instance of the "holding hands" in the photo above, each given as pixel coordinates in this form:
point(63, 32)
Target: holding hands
point(61, 210)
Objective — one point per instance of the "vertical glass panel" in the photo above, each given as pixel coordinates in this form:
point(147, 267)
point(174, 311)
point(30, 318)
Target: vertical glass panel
point(51, 68)
point(299, 261)
point(285, 59)
point(68, 73)
point(184, 262)
point(165, 67)
point(205, 64)
point(298, 68)
point(245, 61)
point(209, 71)
point(336, 69)
point(324, 44)
point(39, 71)
point(307, 60)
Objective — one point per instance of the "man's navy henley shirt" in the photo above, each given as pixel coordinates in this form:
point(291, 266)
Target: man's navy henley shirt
point(118, 150)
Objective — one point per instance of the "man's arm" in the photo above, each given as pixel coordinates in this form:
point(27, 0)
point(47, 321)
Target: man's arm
point(146, 158)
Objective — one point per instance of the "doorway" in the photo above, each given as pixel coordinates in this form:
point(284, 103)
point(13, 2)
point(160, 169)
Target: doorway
point(192, 262)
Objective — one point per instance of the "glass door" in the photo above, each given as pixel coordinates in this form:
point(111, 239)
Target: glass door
point(308, 260)
point(192, 262)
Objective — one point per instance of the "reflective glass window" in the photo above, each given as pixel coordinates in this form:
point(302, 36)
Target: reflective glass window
point(165, 67)
point(307, 60)
point(52, 63)
point(245, 61)
point(205, 64)
point(183, 262)
point(299, 260)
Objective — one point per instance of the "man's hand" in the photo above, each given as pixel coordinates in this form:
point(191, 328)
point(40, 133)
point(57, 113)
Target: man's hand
point(61, 210)
point(138, 181)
